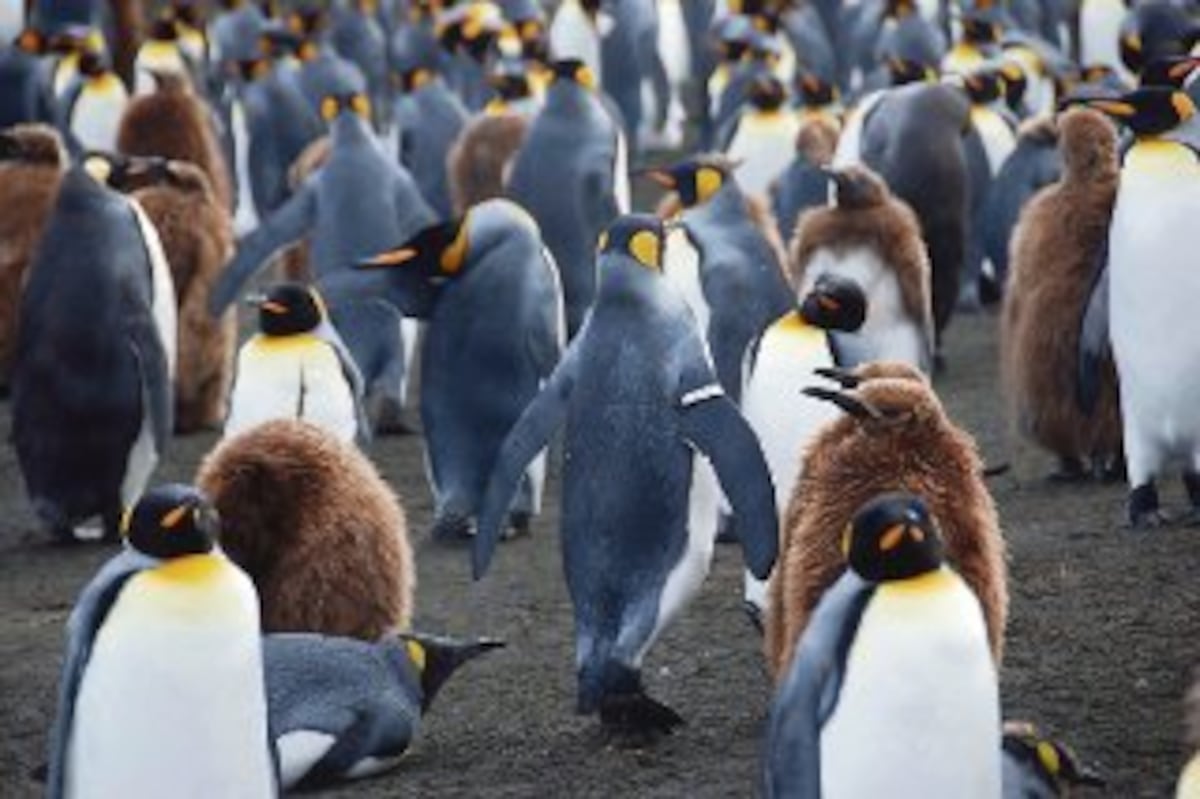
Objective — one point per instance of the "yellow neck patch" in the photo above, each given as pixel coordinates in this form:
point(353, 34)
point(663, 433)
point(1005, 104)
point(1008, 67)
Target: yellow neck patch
point(646, 248)
point(454, 256)
point(930, 581)
point(416, 653)
point(189, 569)
point(708, 182)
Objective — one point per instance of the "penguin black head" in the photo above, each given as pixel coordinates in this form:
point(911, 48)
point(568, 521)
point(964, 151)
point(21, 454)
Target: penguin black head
point(250, 70)
point(188, 13)
point(893, 537)
point(163, 29)
point(835, 303)
point(32, 143)
point(856, 187)
point(333, 105)
point(984, 86)
point(1015, 83)
point(510, 80)
point(288, 309)
point(92, 65)
point(899, 9)
point(767, 93)
point(903, 71)
point(105, 168)
point(1172, 71)
point(1148, 111)
point(694, 180)
point(1131, 52)
point(172, 521)
point(412, 79)
point(575, 71)
point(815, 91)
point(435, 658)
point(31, 41)
point(433, 254)
point(1052, 762)
point(978, 29)
point(307, 22)
point(637, 236)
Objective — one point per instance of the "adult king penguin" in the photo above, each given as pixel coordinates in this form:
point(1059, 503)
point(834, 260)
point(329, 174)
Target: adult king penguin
point(1145, 294)
point(892, 691)
point(162, 690)
point(95, 356)
point(638, 397)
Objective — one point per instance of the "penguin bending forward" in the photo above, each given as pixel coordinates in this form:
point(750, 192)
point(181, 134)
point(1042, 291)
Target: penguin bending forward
point(638, 397)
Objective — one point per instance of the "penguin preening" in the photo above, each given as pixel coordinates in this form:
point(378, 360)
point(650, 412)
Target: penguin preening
point(342, 708)
point(488, 290)
point(428, 118)
point(1158, 198)
point(1058, 239)
point(900, 636)
point(162, 684)
point(95, 357)
point(871, 237)
point(317, 529)
point(895, 435)
point(637, 393)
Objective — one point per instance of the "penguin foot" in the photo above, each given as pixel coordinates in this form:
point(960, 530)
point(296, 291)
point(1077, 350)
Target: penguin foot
point(390, 421)
point(1070, 470)
point(1144, 512)
point(755, 614)
point(725, 532)
point(636, 719)
point(452, 527)
point(518, 524)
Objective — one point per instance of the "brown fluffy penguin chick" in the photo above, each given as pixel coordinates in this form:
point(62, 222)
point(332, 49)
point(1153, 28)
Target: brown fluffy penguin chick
point(817, 141)
point(32, 161)
point(477, 164)
point(1056, 243)
point(197, 237)
point(894, 437)
point(315, 526)
point(873, 237)
point(172, 122)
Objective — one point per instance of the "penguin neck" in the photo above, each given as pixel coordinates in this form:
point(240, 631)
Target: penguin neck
point(569, 95)
point(725, 199)
point(350, 130)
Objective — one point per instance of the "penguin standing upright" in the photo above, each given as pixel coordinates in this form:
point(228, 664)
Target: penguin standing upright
point(12, 19)
point(763, 136)
point(93, 105)
point(26, 93)
point(428, 118)
point(570, 174)
point(1149, 281)
point(162, 686)
point(804, 184)
point(576, 31)
point(160, 54)
point(899, 637)
point(95, 357)
point(871, 237)
point(637, 394)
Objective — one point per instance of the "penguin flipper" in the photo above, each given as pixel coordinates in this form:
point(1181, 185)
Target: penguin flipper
point(808, 695)
point(529, 436)
point(710, 421)
point(286, 225)
point(1093, 337)
point(329, 334)
point(88, 615)
point(157, 391)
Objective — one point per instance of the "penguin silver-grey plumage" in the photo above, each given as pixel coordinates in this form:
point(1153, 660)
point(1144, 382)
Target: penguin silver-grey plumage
point(25, 90)
point(842, 721)
point(804, 184)
point(164, 646)
point(637, 394)
point(428, 119)
point(95, 356)
point(344, 709)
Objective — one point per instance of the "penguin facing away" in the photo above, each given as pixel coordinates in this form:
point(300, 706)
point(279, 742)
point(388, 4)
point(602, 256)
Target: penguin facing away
point(637, 394)
point(26, 94)
point(898, 634)
point(162, 684)
point(428, 119)
point(803, 184)
point(344, 709)
point(92, 404)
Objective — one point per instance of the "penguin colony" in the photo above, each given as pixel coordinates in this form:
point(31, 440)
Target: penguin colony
point(755, 363)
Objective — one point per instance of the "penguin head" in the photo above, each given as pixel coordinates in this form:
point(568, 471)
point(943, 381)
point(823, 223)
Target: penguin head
point(510, 80)
point(308, 22)
point(835, 303)
point(435, 658)
point(93, 66)
point(1131, 50)
point(335, 105)
point(984, 86)
point(636, 237)
point(1050, 762)
point(892, 403)
point(1147, 111)
point(31, 41)
point(980, 29)
point(1088, 143)
point(817, 141)
point(695, 180)
point(410, 80)
point(572, 70)
point(171, 521)
point(1015, 83)
point(1171, 70)
point(472, 27)
point(903, 71)
point(893, 537)
point(815, 91)
point(250, 70)
point(438, 250)
point(856, 187)
point(163, 29)
point(32, 143)
point(288, 309)
point(767, 93)
point(105, 168)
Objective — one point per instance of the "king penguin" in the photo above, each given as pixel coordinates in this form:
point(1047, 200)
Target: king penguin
point(763, 136)
point(162, 690)
point(296, 368)
point(25, 85)
point(92, 106)
point(892, 691)
point(95, 357)
point(638, 397)
point(1143, 296)
point(342, 708)
point(428, 118)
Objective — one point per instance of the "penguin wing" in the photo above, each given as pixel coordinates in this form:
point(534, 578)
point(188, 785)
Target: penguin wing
point(86, 619)
point(329, 334)
point(1093, 336)
point(711, 423)
point(286, 225)
point(157, 392)
point(524, 441)
point(809, 694)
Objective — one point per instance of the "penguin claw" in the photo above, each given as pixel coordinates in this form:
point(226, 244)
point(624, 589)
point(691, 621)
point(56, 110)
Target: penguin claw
point(636, 719)
point(1151, 520)
point(452, 528)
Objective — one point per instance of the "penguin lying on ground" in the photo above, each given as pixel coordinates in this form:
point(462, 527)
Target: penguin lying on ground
point(899, 636)
point(162, 684)
point(638, 397)
point(32, 162)
point(488, 290)
point(1057, 242)
point(296, 367)
point(895, 435)
point(317, 529)
point(95, 358)
point(871, 237)
point(1036, 767)
point(347, 709)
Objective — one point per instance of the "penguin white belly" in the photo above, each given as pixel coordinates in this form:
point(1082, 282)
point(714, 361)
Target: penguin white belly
point(849, 146)
point(572, 35)
point(918, 714)
point(1189, 780)
point(682, 267)
point(96, 117)
point(156, 58)
point(674, 48)
point(1153, 285)
point(888, 333)
point(998, 138)
point(622, 193)
point(12, 19)
point(245, 217)
point(961, 59)
point(763, 148)
point(410, 333)
point(299, 751)
point(716, 87)
point(163, 299)
point(1100, 34)
point(172, 702)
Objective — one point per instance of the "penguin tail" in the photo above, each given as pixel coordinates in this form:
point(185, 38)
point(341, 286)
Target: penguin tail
point(443, 656)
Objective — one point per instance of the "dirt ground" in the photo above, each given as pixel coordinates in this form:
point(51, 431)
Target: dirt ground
point(1102, 640)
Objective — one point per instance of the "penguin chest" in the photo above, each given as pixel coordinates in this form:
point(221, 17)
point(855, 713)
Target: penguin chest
point(682, 267)
point(172, 701)
point(918, 714)
point(96, 115)
point(1100, 33)
point(998, 138)
point(246, 216)
point(573, 35)
point(763, 145)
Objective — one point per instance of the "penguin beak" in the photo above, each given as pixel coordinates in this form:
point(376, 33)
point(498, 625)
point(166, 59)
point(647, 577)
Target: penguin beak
point(856, 407)
point(272, 307)
point(1184, 68)
point(660, 176)
point(401, 255)
point(843, 377)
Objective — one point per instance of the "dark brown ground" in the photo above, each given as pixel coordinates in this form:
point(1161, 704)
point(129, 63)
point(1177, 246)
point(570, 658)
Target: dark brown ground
point(1101, 644)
